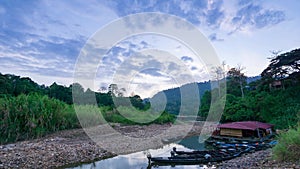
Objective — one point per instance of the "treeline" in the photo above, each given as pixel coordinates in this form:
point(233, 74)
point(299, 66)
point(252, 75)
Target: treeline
point(29, 110)
point(274, 98)
point(11, 85)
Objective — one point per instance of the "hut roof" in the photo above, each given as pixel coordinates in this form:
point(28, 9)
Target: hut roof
point(246, 125)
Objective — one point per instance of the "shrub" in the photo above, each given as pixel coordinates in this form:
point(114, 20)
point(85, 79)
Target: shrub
point(89, 115)
point(288, 147)
point(31, 116)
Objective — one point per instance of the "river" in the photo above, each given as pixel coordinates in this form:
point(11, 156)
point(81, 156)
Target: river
point(139, 160)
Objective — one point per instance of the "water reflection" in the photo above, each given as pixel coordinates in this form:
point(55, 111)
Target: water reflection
point(139, 161)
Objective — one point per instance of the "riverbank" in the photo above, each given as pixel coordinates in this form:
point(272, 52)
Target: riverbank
point(52, 151)
point(256, 160)
point(75, 146)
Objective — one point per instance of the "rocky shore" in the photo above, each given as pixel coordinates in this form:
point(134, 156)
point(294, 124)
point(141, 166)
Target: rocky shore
point(75, 146)
point(59, 149)
point(257, 160)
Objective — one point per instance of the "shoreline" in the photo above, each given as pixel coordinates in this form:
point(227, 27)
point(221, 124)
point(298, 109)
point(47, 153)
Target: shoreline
point(71, 147)
point(52, 151)
point(258, 159)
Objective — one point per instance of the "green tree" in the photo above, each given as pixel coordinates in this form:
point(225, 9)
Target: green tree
point(282, 67)
point(236, 81)
point(61, 93)
point(137, 102)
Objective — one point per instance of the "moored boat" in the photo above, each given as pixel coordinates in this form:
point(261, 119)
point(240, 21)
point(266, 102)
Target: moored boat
point(195, 157)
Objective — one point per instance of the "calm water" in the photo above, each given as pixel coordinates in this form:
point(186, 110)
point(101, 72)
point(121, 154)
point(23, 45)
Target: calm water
point(139, 160)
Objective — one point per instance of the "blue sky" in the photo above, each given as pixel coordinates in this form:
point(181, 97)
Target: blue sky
point(42, 39)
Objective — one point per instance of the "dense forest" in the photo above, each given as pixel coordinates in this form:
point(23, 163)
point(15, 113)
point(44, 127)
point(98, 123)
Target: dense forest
point(274, 98)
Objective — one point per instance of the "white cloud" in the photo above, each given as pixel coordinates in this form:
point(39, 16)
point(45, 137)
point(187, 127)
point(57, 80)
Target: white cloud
point(69, 20)
point(46, 36)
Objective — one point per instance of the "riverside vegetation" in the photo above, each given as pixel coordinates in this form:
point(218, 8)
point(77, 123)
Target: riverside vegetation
point(34, 115)
point(29, 110)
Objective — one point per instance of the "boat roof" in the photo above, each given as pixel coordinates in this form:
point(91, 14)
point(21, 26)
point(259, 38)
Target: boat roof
point(246, 125)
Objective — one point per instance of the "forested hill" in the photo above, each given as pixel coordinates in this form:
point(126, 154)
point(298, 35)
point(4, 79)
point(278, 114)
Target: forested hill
point(253, 79)
point(173, 96)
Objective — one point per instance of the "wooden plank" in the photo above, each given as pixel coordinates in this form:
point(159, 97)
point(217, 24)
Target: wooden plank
point(231, 132)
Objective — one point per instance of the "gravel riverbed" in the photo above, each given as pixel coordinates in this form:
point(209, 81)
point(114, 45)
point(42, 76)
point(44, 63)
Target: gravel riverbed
point(257, 160)
point(75, 146)
point(52, 151)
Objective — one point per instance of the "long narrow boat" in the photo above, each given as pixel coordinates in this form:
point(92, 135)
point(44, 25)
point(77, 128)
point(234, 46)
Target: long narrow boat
point(225, 150)
point(192, 152)
point(195, 157)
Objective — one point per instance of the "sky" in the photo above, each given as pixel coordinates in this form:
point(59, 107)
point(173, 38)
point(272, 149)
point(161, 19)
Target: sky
point(43, 40)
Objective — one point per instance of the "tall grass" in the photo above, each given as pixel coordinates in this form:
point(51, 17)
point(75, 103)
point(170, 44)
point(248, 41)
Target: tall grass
point(130, 115)
point(33, 115)
point(89, 115)
point(288, 147)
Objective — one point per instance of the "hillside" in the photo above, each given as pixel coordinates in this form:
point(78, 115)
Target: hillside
point(173, 96)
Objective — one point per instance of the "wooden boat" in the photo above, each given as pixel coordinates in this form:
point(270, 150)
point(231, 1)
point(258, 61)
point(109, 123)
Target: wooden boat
point(221, 149)
point(224, 151)
point(195, 157)
point(191, 152)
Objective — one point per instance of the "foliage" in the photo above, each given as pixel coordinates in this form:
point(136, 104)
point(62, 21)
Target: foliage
point(283, 65)
point(15, 85)
point(61, 93)
point(131, 115)
point(284, 68)
point(279, 106)
point(33, 115)
point(29, 110)
point(236, 81)
point(288, 147)
point(89, 115)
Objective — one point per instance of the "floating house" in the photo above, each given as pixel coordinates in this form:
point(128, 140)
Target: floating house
point(245, 129)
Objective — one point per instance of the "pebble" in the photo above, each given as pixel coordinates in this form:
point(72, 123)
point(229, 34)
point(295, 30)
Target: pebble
point(259, 159)
point(51, 153)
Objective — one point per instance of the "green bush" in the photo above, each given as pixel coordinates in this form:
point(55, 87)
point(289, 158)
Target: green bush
point(89, 115)
point(31, 116)
point(288, 147)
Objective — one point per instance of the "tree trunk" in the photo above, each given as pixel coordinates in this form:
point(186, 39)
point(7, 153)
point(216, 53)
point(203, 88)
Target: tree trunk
point(242, 90)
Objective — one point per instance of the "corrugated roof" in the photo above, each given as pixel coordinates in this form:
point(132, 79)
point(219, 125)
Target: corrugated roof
point(246, 125)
